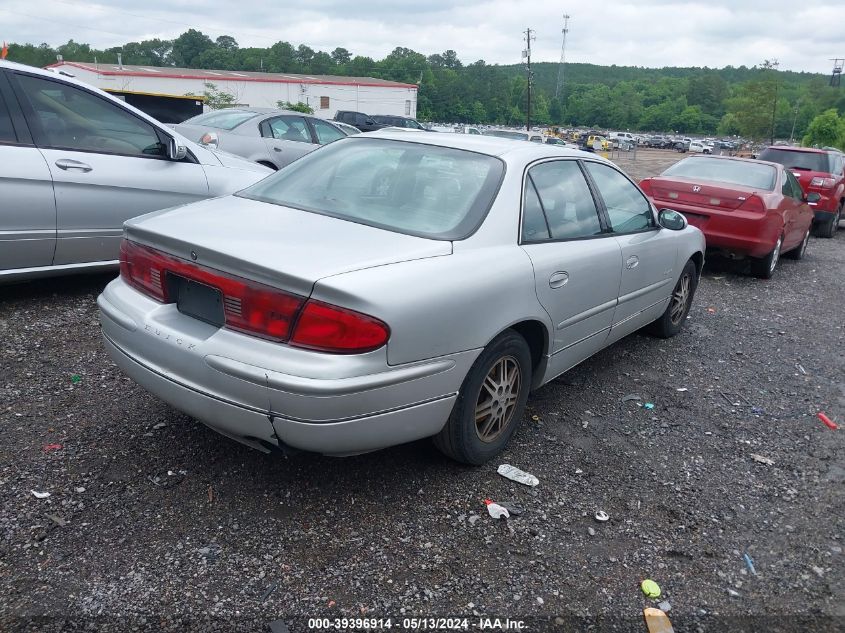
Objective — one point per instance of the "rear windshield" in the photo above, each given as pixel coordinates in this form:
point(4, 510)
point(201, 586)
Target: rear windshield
point(435, 192)
point(807, 161)
point(222, 119)
point(735, 172)
point(516, 136)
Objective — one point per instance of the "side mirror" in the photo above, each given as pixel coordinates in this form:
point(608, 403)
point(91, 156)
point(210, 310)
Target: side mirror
point(672, 220)
point(175, 149)
point(812, 197)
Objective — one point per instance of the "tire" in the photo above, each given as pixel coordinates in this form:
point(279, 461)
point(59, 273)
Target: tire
point(829, 230)
point(798, 253)
point(461, 438)
point(764, 268)
point(672, 319)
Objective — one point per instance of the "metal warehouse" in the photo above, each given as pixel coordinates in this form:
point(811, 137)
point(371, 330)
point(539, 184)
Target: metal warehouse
point(326, 94)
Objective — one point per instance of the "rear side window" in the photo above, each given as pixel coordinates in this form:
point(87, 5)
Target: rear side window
point(627, 208)
point(7, 132)
point(222, 119)
point(794, 186)
point(72, 118)
point(326, 133)
point(286, 128)
point(565, 199)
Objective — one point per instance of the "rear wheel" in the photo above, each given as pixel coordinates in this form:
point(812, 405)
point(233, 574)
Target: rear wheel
point(798, 253)
point(829, 228)
point(764, 268)
point(491, 402)
point(672, 320)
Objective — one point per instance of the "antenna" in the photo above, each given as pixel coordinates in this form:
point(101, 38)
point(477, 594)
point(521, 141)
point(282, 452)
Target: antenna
point(836, 74)
point(562, 57)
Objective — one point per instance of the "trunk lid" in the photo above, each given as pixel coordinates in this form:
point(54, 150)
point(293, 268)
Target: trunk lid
point(279, 246)
point(700, 193)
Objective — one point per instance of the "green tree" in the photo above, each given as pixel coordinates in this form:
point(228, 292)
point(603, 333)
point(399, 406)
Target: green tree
point(826, 129)
point(341, 56)
point(189, 46)
point(217, 99)
point(296, 107)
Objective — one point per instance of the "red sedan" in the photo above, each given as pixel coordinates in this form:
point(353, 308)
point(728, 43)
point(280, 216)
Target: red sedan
point(745, 208)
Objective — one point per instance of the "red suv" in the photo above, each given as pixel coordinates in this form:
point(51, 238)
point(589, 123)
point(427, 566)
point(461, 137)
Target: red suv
point(820, 172)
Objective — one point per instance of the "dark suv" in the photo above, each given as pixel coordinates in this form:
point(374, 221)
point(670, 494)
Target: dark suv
point(397, 121)
point(362, 121)
point(820, 172)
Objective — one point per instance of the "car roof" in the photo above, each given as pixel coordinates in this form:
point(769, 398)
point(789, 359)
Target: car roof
point(807, 150)
point(490, 145)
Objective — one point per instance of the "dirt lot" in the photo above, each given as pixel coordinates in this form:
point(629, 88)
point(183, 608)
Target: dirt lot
point(156, 523)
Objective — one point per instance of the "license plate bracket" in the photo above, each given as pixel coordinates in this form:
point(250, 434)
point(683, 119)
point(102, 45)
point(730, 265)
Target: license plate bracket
point(197, 300)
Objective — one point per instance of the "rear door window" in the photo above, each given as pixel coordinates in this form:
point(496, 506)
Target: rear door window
point(565, 200)
point(7, 132)
point(286, 128)
point(326, 133)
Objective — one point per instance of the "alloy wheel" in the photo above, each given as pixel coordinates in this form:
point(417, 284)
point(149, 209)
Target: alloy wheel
point(775, 255)
point(680, 298)
point(497, 398)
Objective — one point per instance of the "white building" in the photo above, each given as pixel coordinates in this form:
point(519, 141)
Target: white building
point(326, 94)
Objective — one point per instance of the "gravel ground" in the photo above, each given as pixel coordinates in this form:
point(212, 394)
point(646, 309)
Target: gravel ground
point(156, 523)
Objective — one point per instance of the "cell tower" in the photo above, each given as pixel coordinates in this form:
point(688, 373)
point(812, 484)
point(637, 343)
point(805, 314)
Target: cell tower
point(562, 57)
point(836, 74)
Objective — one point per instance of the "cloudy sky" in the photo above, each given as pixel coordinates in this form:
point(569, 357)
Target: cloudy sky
point(802, 35)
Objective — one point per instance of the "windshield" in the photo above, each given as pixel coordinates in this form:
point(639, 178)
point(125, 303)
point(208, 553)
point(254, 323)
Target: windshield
point(425, 190)
point(222, 120)
point(807, 161)
point(735, 172)
point(516, 136)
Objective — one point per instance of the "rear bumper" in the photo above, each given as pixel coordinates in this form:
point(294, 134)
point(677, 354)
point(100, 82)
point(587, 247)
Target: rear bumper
point(735, 231)
point(337, 405)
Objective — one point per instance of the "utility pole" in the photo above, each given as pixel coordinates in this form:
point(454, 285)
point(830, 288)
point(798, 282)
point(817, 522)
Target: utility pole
point(562, 57)
point(527, 55)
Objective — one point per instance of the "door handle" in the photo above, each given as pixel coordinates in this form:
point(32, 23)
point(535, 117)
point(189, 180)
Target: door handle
point(277, 149)
point(558, 280)
point(632, 262)
point(67, 163)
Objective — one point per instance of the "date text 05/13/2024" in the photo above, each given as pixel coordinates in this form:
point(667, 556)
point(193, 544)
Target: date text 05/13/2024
point(417, 624)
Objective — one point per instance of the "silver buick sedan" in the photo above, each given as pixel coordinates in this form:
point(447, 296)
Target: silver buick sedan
point(390, 287)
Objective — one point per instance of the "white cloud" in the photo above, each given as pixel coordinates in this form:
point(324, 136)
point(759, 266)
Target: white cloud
point(651, 33)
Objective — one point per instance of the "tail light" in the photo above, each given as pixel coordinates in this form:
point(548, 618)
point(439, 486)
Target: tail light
point(209, 138)
point(753, 204)
point(257, 309)
point(824, 183)
point(645, 185)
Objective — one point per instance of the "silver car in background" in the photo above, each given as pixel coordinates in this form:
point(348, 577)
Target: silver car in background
point(392, 287)
point(75, 163)
point(274, 138)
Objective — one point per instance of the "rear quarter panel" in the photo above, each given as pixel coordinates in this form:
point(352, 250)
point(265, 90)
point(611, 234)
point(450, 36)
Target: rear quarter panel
point(442, 305)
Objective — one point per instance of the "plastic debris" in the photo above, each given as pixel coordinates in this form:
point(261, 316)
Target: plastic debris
point(664, 606)
point(52, 447)
point(56, 519)
point(749, 563)
point(762, 460)
point(733, 594)
point(650, 588)
point(75, 378)
point(800, 368)
point(648, 405)
point(827, 421)
point(513, 508)
point(515, 474)
point(632, 397)
point(681, 389)
point(602, 516)
point(40, 495)
point(657, 621)
point(495, 510)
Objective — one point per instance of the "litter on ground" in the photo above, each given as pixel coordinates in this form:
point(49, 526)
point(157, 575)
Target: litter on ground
point(515, 474)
